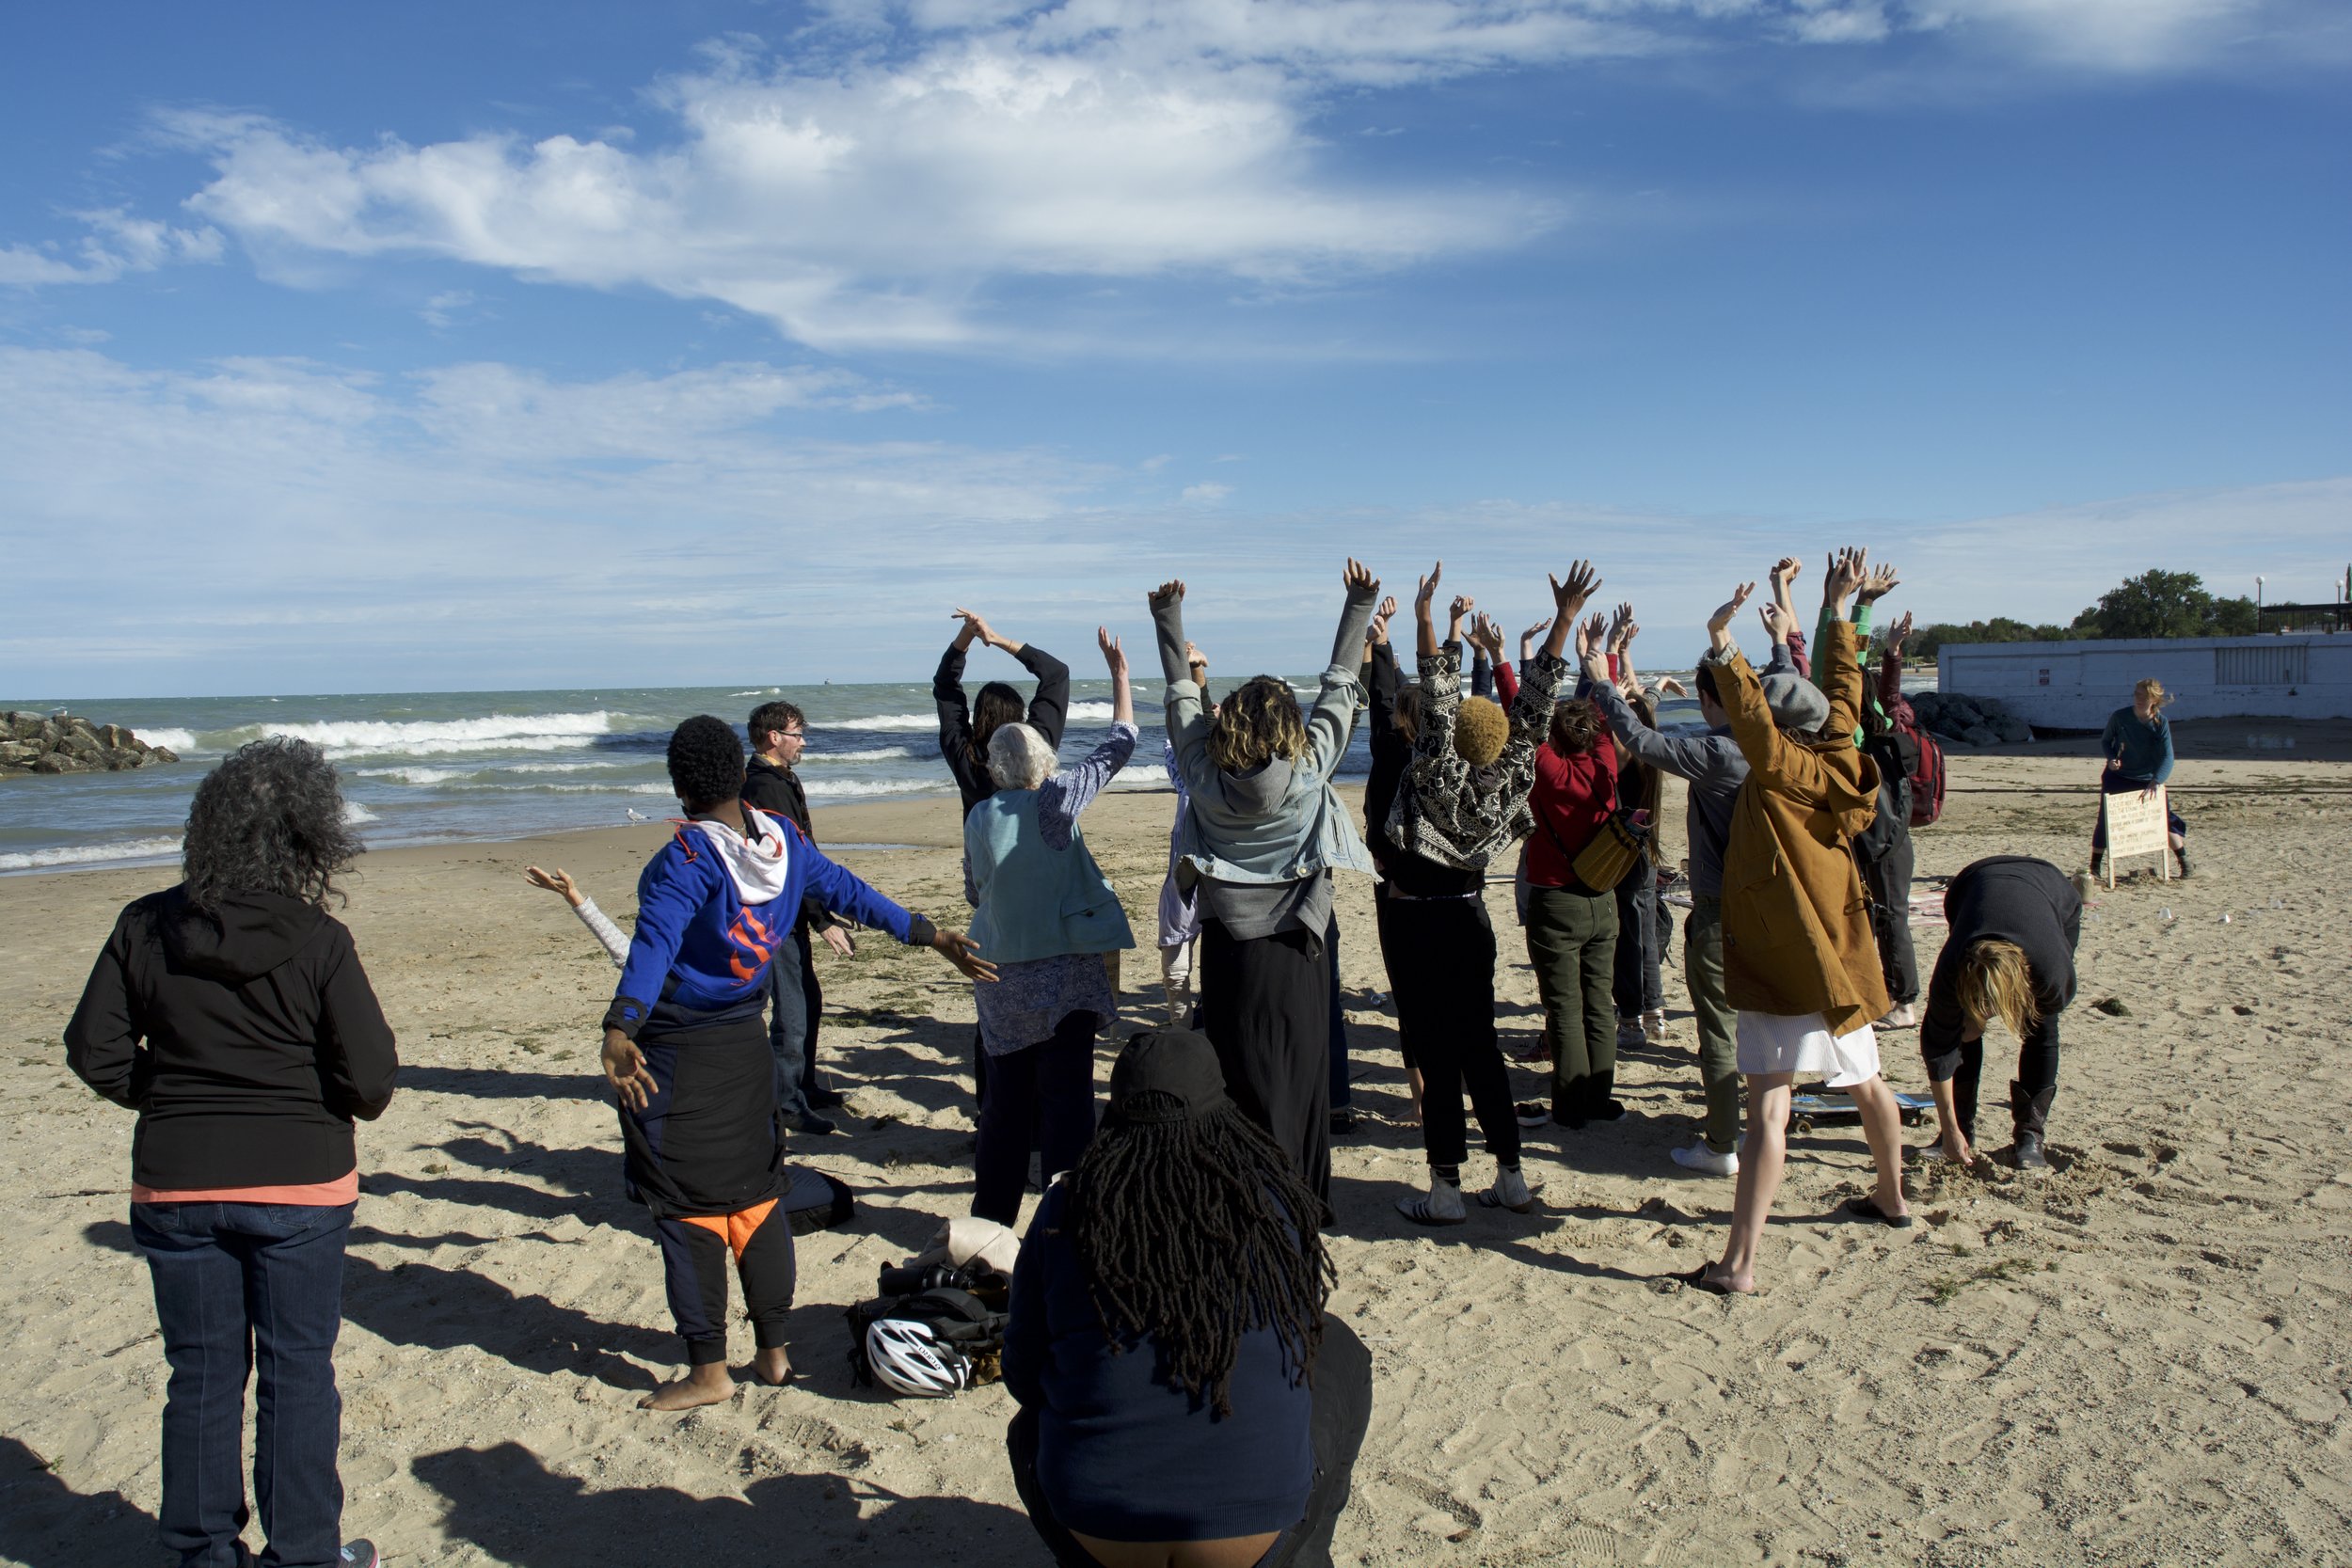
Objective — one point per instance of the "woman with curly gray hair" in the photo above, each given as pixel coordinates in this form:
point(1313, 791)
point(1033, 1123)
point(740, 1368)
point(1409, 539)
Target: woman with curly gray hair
point(231, 1013)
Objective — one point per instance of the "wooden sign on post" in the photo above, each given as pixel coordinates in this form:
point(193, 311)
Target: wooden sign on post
point(2136, 825)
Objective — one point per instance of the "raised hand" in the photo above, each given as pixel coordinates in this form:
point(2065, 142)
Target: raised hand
point(1844, 573)
point(1527, 639)
point(1595, 634)
point(1625, 637)
point(1357, 578)
point(962, 952)
point(1194, 658)
point(557, 881)
point(1718, 623)
point(1899, 634)
point(974, 628)
point(1785, 572)
point(1459, 611)
point(1877, 583)
point(1428, 593)
point(1779, 622)
point(1113, 655)
point(1569, 597)
point(1378, 632)
point(1486, 633)
point(1170, 591)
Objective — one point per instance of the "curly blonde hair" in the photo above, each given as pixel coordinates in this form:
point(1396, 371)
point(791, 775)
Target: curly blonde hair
point(1479, 730)
point(1256, 724)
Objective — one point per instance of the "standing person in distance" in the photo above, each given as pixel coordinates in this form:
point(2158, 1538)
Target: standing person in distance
point(1640, 993)
point(1046, 915)
point(2139, 746)
point(233, 1014)
point(686, 1054)
point(796, 998)
point(1799, 960)
point(1264, 834)
point(1883, 850)
point(2015, 923)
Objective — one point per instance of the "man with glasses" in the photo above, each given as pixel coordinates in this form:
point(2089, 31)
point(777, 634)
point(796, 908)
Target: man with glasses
point(779, 733)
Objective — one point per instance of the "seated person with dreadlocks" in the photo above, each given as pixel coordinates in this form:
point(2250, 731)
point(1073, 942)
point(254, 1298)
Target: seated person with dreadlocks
point(686, 1050)
point(1462, 800)
point(1184, 1401)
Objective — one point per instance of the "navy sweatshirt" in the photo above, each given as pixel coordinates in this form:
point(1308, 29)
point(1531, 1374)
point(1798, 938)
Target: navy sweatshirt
point(2012, 898)
point(1122, 1454)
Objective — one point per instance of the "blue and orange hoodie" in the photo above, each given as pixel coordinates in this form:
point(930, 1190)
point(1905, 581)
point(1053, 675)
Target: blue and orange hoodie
point(711, 911)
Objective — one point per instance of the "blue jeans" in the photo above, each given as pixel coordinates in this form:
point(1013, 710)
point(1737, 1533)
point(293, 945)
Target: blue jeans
point(240, 1286)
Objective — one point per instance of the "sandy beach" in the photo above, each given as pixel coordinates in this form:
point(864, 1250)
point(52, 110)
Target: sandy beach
point(2140, 1357)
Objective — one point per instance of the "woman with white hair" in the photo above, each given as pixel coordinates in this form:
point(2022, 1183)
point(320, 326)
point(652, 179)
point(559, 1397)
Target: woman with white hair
point(1049, 915)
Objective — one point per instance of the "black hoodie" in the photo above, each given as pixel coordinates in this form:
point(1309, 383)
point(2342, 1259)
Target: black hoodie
point(262, 1041)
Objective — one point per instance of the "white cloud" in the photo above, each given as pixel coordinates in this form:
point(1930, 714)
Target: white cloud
point(441, 312)
point(115, 244)
point(2123, 36)
point(1206, 494)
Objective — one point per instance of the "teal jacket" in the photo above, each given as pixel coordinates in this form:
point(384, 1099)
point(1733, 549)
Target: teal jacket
point(1033, 900)
point(1281, 822)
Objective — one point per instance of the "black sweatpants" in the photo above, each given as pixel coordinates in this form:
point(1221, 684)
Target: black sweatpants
point(1039, 1097)
point(1342, 1413)
point(694, 1253)
point(2037, 1075)
point(1265, 1004)
point(1392, 960)
point(1445, 997)
point(1887, 879)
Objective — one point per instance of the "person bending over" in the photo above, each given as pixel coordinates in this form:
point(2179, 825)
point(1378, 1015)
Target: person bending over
point(233, 1014)
point(1044, 913)
point(2015, 924)
point(1184, 1400)
point(1258, 847)
point(1463, 801)
point(2139, 746)
point(686, 1054)
point(1799, 960)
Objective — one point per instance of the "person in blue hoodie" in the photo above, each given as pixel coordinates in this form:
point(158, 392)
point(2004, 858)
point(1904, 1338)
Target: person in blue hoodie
point(686, 1050)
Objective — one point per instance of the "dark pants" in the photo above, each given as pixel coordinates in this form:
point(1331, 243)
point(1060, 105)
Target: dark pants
point(1446, 996)
point(1392, 958)
point(694, 1254)
point(1266, 1005)
point(240, 1288)
point(796, 1002)
point(1041, 1097)
point(2116, 784)
point(1343, 1412)
point(1887, 877)
point(1572, 941)
point(1636, 984)
point(2030, 1094)
point(1341, 1095)
point(1717, 1021)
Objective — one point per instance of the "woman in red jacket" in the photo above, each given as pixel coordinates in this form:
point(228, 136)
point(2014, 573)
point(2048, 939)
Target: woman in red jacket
point(230, 1012)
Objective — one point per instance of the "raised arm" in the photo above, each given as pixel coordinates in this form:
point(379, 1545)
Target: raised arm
point(1333, 717)
point(1567, 601)
point(1184, 708)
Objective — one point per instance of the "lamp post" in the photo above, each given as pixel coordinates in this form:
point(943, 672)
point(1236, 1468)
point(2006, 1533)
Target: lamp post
point(2257, 604)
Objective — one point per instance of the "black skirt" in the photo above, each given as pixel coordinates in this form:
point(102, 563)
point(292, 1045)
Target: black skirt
point(1265, 1004)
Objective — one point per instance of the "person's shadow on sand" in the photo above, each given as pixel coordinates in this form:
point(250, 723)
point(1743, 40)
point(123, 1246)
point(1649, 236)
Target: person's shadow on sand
point(503, 1501)
point(46, 1524)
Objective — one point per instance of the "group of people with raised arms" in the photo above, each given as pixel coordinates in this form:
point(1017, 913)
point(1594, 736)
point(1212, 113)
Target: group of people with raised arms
point(1167, 1307)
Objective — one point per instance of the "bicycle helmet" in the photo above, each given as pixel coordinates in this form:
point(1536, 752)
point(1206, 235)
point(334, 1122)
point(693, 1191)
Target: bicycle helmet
point(908, 1358)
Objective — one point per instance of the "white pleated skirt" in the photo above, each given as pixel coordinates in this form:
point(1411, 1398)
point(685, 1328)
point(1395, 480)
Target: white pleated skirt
point(1773, 1042)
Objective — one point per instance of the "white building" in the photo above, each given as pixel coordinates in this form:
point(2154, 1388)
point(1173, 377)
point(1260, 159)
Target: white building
point(2075, 686)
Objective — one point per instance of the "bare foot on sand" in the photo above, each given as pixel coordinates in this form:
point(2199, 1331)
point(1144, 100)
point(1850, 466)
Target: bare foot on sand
point(709, 1384)
point(772, 1366)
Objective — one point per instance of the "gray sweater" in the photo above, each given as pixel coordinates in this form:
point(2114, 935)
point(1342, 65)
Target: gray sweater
point(1712, 765)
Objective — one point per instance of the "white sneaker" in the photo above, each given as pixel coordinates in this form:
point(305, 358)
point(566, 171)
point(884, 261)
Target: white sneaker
point(1440, 1205)
point(1654, 1026)
point(1700, 1158)
point(1510, 1190)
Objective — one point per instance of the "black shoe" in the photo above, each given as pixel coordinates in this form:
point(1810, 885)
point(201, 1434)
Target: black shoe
point(1605, 1110)
point(814, 1125)
point(1345, 1120)
point(2181, 857)
point(1532, 1113)
point(824, 1100)
point(2028, 1154)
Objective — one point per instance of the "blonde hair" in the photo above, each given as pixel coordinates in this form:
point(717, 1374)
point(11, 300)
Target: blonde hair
point(2152, 690)
point(1479, 730)
point(1256, 724)
point(1997, 982)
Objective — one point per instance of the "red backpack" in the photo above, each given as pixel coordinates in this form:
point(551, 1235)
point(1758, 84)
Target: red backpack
point(1927, 779)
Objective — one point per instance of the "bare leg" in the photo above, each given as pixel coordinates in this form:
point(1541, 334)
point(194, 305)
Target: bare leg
point(1412, 1082)
point(1761, 1162)
point(1882, 1125)
point(1955, 1142)
point(709, 1384)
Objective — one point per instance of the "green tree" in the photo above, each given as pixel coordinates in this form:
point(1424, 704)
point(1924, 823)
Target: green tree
point(2157, 603)
point(2233, 617)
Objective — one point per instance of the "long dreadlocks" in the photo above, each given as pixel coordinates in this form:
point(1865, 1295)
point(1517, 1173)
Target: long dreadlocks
point(1194, 1232)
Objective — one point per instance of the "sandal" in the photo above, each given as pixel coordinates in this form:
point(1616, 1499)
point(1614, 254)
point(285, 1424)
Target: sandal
point(1698, 1280)
point(1867, 1208)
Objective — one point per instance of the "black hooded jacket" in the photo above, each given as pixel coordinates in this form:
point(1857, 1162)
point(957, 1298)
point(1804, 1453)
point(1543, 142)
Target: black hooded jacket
point(262, 1041)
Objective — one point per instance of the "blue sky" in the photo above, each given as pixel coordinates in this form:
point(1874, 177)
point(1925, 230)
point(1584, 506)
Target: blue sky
point(537, 346)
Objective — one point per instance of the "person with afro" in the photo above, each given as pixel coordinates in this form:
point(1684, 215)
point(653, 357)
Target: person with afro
point(1463, 800)
point(686, 1050)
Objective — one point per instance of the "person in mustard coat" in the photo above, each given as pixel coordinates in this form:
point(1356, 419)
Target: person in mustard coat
point(1800, 963)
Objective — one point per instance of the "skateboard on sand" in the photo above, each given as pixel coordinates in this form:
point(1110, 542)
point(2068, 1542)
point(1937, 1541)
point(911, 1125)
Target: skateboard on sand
point(1813, 1108)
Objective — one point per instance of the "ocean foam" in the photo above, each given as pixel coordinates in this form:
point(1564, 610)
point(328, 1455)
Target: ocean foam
point(887, 721)
point(876, 753)
point(1091, 712)
point(876, 788)
point(179, 740)
point(355, 813)
point(371, 738)
point(92, 854)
